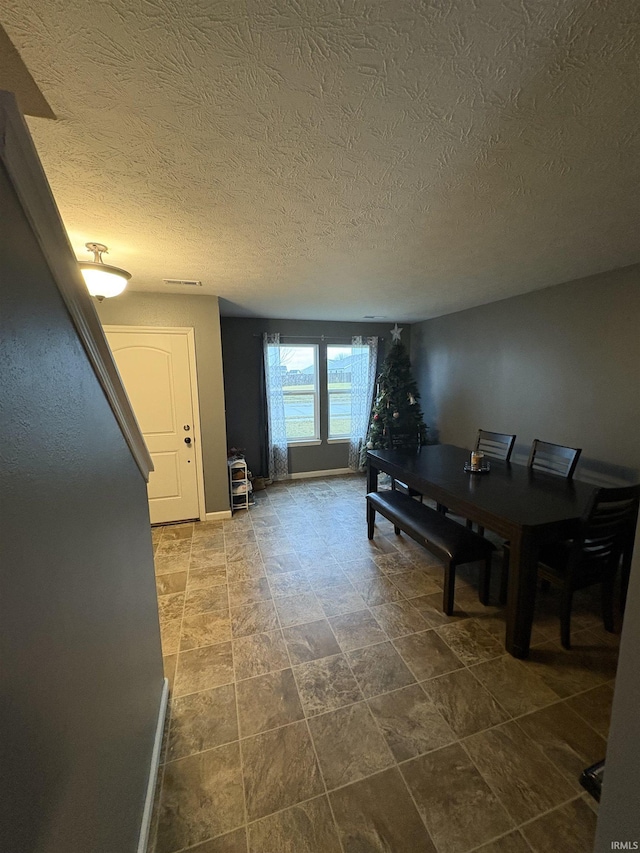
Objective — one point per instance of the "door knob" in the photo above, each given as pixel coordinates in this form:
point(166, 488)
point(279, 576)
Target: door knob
point(187, 440)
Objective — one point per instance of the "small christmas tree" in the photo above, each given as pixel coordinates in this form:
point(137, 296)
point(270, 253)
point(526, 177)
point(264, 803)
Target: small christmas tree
point(397, 419)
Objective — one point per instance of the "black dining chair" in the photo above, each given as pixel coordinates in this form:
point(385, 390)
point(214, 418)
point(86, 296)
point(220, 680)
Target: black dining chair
point(404, 441)
point(497, 445)
point(553, 458)
point(549, 459)
point(593, 555)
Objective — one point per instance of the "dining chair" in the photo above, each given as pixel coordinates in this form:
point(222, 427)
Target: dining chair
point(606, 530)
point(404, 441)
point(553, 458)
point(550, 459)
point(497, 445)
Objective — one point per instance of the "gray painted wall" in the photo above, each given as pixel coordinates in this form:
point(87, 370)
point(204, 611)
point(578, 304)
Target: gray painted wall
point(561, 364)
point(202, 314)
point(81, 666)
point(242, 356)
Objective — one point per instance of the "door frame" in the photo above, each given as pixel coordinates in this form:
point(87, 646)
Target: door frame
point(189, 333)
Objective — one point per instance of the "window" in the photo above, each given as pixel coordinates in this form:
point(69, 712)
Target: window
point(347, 369)
point(317, 393)
point(339, 363)
point(299, 365)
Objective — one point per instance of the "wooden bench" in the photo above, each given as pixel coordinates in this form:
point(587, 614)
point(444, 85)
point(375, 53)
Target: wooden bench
point(445, 538)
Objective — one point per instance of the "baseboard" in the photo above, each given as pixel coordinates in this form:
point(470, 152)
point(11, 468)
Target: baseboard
point(218, 516)
point(145, 826)
point(303, 475)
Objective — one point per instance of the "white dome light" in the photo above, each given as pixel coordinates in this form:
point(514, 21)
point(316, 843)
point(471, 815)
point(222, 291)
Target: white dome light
point(102, 280)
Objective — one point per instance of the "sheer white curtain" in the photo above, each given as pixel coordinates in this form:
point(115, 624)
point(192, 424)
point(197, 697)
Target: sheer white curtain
point(277, 433)
point(364, 356)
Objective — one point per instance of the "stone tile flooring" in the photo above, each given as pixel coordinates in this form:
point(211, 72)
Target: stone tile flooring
point(321, 702)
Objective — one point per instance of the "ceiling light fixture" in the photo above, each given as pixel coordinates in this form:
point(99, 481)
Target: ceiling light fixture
point(102, 279)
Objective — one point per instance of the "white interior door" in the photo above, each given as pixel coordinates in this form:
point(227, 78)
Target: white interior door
point(156, 372)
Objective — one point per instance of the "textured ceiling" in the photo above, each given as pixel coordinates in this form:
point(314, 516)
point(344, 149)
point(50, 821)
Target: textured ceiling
point(341, 158)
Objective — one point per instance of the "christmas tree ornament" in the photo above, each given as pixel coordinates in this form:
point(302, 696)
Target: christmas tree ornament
point(395, 334)
point(396, 414)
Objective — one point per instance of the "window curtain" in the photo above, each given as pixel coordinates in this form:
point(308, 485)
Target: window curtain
point(277, 452)
point(363, 377)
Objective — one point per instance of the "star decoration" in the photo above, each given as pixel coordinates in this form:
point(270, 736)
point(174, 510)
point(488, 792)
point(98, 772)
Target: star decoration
point(395, 333)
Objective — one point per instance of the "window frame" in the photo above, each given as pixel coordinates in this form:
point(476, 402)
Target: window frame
point(315, 394)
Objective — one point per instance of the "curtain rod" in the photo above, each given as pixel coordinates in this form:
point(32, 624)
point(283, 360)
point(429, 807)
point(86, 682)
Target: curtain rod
point(323, 337)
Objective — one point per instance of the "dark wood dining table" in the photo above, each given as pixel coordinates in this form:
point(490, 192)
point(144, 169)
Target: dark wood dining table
point(523, 506)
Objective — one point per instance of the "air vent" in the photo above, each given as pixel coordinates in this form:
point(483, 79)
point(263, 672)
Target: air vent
point(182, 282)
point(374, 317)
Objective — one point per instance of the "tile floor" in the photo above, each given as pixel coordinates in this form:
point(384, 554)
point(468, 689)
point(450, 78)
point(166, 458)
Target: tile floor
point(322, 703)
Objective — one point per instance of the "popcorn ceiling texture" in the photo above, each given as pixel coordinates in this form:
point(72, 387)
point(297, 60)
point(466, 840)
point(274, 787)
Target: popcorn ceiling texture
point(338, 158)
